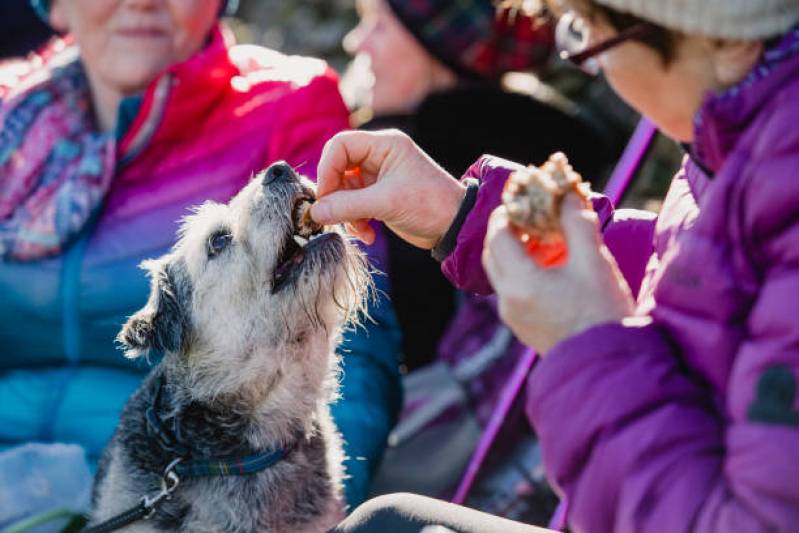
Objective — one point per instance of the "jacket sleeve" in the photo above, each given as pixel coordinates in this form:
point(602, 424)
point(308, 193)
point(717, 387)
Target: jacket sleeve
point(636, 443)
point(463, 266)
point(627, 233)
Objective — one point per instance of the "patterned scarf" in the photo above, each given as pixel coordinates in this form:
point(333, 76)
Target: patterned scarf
point(55, 168)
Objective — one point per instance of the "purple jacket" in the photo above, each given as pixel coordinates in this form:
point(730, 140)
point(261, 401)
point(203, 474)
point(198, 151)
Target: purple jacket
point(686, 418)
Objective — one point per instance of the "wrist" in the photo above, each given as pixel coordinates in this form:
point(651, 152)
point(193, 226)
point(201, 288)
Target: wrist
point(454, 217)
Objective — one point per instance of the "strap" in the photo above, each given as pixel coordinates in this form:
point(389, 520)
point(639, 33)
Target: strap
point(121, 520)
point(145, 508)
point(233, 466)
point(450, 238)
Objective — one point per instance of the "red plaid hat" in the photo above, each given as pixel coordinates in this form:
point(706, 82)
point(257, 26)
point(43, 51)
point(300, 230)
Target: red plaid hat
point(474, 38)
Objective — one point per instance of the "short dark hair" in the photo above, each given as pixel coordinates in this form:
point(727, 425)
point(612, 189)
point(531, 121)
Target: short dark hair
point(663, 40)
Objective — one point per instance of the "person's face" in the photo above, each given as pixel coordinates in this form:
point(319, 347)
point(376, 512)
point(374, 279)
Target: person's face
point(404, 72)
point(671, 93)
point(126, 43)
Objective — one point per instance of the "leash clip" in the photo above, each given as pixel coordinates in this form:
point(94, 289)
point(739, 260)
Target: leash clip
point(169, 482)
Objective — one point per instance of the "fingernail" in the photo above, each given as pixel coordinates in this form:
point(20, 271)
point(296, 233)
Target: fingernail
point(320, 212)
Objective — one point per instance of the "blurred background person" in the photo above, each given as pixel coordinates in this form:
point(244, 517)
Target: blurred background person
point(438, 70)
point(449, 74)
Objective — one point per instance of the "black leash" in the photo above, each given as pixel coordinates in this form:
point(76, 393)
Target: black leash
point(145, 508)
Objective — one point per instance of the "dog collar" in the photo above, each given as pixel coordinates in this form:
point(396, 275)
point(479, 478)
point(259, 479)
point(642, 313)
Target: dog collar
point(181, 466)
point(236, 466)
point(188, 467)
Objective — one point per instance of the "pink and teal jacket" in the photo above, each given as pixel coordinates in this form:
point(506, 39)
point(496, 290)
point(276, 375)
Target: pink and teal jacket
point(199, 132)
point(686, 418)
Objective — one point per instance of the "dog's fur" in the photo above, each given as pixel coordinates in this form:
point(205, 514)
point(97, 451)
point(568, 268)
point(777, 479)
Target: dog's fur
point(248, 365)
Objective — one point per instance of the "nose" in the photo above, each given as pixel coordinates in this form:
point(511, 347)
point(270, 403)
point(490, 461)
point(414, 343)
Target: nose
point(279, 172)
point(359, 39)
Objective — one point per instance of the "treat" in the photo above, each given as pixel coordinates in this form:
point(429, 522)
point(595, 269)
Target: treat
point(305, 225)
point(533, 197)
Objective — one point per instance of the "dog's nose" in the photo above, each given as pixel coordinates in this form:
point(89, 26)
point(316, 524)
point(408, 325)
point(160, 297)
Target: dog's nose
point(280, 171)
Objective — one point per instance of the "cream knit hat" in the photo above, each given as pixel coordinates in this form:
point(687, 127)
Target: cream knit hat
point(725, 19)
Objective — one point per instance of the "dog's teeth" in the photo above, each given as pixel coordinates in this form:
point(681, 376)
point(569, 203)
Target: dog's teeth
point(300, 240)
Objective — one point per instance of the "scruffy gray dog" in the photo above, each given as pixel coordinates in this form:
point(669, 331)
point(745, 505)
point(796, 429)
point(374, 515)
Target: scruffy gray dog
point(247, 309)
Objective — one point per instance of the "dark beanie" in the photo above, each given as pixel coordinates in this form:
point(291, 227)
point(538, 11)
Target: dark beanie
point(42, 8)
point(474, 39)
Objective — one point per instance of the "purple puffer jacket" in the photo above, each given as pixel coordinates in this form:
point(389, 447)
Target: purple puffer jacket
point(685, 418)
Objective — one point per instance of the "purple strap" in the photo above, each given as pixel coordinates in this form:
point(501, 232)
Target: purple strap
point(630, 160)
point(509, 394)
point(625, 170)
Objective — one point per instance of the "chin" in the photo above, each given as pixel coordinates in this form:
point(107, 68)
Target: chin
point(132, 77)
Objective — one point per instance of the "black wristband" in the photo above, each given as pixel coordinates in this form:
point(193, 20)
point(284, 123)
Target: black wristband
point(450, 238)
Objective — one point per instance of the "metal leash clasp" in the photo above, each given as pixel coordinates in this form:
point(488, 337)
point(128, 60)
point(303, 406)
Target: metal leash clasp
point(169, 482)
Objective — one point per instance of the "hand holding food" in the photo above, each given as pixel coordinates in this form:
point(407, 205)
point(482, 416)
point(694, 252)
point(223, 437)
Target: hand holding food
point(533, 198)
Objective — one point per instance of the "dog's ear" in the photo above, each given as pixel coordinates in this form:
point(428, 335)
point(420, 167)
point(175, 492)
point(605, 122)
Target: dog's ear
point(160, 325)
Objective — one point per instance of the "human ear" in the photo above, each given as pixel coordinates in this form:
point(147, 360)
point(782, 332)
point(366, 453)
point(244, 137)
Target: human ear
point(735, 59)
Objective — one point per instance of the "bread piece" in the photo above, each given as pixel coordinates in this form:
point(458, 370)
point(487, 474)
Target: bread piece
point(533, 197)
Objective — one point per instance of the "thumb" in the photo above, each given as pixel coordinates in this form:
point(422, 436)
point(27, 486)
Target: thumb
point(346, 206)
point(580, 227)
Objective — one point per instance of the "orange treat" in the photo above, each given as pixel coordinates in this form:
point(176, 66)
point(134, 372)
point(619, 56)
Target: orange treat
point(533, 197)
point(353, 176)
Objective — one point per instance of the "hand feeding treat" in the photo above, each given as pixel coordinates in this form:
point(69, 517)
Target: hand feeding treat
point(533, 197)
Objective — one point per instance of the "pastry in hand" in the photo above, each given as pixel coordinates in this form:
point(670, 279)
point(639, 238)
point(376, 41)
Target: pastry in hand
point(533, 197)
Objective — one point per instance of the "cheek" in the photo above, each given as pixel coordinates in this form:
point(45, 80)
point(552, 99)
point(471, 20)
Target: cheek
point(636, 75)
point(656, 93)
point(192, 20)
point(402, 75)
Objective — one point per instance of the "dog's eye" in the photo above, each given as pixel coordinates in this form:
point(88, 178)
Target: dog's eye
point(218, 242)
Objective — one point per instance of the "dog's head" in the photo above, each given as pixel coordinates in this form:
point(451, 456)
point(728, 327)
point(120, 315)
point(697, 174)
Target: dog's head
point(243, 301)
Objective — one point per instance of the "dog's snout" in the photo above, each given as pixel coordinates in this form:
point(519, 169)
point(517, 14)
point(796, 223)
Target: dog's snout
point(279, 172)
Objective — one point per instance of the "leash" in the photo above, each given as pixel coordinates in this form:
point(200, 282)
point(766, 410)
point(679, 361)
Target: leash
point(145, 508)
point(181, 467)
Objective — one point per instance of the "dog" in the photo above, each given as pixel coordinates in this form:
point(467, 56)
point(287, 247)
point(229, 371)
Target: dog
point(247, 309)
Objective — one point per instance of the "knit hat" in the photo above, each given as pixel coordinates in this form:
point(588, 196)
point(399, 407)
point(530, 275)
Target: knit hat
point(42, 8)
point(724, 19)
point(472, 38)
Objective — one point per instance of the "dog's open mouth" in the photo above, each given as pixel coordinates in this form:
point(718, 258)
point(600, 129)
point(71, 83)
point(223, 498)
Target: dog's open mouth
point(305, 237)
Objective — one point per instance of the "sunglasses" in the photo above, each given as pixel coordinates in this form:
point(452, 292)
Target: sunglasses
point(572, 36)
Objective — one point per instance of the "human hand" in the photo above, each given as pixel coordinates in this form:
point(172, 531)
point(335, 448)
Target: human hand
point(385, 176)
point(544, 306)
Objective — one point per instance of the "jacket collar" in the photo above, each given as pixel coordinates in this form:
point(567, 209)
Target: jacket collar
point(724, 117)
point(178, 98)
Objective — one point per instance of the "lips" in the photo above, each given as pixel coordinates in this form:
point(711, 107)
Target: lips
point(142, 32)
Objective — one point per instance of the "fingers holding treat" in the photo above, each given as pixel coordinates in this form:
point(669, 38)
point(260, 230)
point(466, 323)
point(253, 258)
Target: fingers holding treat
point(533, 199)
